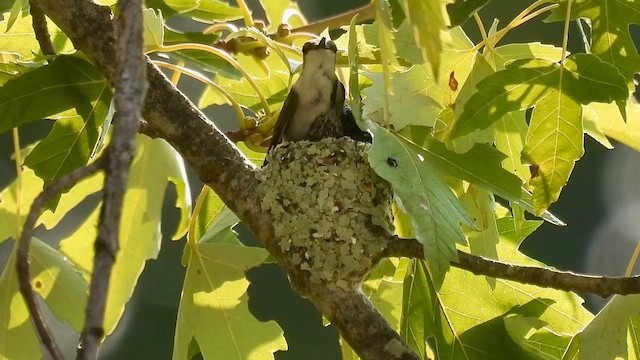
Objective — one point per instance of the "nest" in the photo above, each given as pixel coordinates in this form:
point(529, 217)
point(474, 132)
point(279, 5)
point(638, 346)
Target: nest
point(329, 208)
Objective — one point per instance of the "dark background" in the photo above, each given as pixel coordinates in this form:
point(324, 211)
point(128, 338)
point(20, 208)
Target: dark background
point(600, 204)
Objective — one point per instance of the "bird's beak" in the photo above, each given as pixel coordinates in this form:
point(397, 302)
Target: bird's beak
point(322, 43)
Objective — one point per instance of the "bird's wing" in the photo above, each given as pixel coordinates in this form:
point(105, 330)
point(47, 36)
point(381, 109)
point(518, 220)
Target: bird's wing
point(338, 95)
point(286, 115)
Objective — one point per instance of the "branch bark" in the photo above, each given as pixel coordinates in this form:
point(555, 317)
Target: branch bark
point(562, 280)
point(130, 88)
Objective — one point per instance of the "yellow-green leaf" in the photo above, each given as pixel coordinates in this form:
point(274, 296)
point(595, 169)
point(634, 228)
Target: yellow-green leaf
point(214, 306)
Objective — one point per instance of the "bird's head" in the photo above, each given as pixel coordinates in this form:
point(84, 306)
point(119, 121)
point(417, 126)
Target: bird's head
point(320, 54)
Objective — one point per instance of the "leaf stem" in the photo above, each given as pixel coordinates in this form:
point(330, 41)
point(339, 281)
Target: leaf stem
point(224, 55)
point(633, 260)
point(565, 33)
point(186, 71)
point(191, 240)
point(524, 16)
point(246, 13)
point(18, 158)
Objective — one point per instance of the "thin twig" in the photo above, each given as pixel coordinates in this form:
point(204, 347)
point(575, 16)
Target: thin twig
point(561, 280)
point(22, 261)
point(365, 13)
point(39, 23)
point(130, 89)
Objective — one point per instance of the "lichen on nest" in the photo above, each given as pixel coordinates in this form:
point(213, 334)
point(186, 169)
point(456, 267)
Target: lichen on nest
point(327, 203)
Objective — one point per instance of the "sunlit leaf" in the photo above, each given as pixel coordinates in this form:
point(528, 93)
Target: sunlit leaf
point(614, 126)
point(531, 335)
point(72, 140)
point(465, 310)
point(465, 11)
point(429, 20)
point(214, 306)
point(154, 165)
point(55, 279)
point(610, 24)
point(554, 143)
point(21, 39)
point(282, 12)
point(606, 337)
point(69, 82)
point(525, 82)
point(510, 133)
point(418, 96)
point(153, 29)
point(434, 210)
point(209, 11)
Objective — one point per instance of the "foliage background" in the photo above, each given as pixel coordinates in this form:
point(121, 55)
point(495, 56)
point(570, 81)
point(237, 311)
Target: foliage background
point(598, 203)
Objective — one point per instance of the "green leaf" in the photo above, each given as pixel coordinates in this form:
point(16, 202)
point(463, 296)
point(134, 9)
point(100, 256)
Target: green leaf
point(282, 12)
point(215, 221)
point(17, 10)
point(417, 322)
point(275, 89)
point(611, 40)
point(173, 37)
point(204, 62)
point(502, 55)
point(465, 11)
point(31, 187)
point(435, 212)
point(531, 335)
point(510, 133)
point(214, 306)
point(481, 207)
point(153, 29)
point(69, 82)
point(257, 158)
point(20, 38)
point(354, 63)
point(18, 339)
point(154, 165)
point(525, 82)
point(56, 280)
point(592, 126)
point(606, 336)
point(419, 97)
point(209, 11)
point(614, 126)
point(554, 143)
point(72, 140)
point(385, 37)
point(429, 20)
point(465, 310)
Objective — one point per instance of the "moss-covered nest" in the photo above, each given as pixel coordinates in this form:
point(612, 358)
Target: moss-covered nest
point(327, 205)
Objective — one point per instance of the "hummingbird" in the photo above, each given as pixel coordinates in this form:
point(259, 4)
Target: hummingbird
point(314, 108)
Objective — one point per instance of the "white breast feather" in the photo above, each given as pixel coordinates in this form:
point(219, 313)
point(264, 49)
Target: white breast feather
point(314, 88)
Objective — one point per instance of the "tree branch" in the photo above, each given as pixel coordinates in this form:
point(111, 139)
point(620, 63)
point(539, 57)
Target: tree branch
point(24, 244)
point(562, 280)
point(39, 23)
point(365, 13)
point(130, 88)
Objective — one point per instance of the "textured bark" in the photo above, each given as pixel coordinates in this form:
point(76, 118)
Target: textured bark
point(130, 88)
point(562, 280)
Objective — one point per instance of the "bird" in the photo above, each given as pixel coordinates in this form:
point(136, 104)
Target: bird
point(315, 107)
